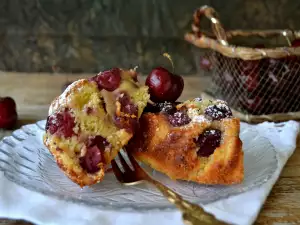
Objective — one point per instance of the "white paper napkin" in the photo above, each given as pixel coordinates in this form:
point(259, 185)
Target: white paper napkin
point(19, 203)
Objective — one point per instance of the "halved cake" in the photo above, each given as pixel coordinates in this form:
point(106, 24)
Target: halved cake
point(92, 120)
point(197, 140)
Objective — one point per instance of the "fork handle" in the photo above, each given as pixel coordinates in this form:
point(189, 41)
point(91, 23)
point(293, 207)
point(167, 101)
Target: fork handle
point(192, 213)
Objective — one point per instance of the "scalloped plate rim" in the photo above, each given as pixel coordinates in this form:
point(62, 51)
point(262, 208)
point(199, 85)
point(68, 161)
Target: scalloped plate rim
point(112, 207)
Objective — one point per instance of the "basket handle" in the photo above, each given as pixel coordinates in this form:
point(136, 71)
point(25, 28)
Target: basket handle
point(217, 27)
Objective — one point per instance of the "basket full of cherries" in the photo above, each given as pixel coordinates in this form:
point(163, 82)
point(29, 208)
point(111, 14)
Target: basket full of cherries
point(256, 72)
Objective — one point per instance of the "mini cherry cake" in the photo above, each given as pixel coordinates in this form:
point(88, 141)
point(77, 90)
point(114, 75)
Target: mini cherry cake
point(197, 140)
point(92, 120)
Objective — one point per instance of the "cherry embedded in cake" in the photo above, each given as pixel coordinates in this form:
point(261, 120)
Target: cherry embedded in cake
point(179, 118)
point(218, 111)
point(92, 120)
point(126, 113)
point(94, 155)
point(166, 107)
point(61, 123)
point(109, 80)
point(208, 141)
point(204, 147)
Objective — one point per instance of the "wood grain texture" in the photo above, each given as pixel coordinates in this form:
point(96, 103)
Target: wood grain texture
point(34, 92)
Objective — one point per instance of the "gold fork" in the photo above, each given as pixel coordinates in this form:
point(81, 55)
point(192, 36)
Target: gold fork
point(192, 214)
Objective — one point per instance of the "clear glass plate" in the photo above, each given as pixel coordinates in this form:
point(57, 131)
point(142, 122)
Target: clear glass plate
point(26, 161)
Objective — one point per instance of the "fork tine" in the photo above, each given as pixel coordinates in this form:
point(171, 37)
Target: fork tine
point(118, 173)
point(124, 163)
point(133, 161)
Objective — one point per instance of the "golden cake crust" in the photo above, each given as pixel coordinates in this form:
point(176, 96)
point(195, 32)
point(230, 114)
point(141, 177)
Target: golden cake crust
point(172, 150)
point(73, 171)
point(78, 175)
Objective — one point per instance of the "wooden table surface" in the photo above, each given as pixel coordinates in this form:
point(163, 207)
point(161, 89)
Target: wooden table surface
point(34, 92)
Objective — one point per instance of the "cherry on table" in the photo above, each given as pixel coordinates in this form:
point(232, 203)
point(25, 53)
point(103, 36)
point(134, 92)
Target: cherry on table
point(8, 113)
point(164, 85)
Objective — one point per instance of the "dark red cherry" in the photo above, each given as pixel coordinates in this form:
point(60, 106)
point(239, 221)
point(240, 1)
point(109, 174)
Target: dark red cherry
point(218, 112)
point(95, 154)
point(98, 140)
point(164, 85)
point(128, 119)
point(165, 107)
point(8, 113)
point(108, 80)
point(296, 43)
point(129, 124)
point(8, 102)
point(61, 123)
point(126, 104)
point(208, 141)
point(179, 118)
point(91, 160)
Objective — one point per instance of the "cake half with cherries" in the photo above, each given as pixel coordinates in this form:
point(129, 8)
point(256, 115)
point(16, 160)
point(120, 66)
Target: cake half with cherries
point(197, 140)
point(92, 120)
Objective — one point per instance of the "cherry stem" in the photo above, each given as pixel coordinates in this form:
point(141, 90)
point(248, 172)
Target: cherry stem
point(170, 59)
point(287, 38)
point(288, 41)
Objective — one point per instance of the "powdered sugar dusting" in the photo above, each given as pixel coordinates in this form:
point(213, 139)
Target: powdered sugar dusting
point(218, 111)
point(63, 99)
point(195, 115)
point(200, 119)
point(179, 118)
point(212, 131)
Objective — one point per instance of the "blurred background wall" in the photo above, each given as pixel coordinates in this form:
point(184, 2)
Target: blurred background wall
point(91, 35)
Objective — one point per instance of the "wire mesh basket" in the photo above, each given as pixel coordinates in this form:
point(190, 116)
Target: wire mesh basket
point(260, 83)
